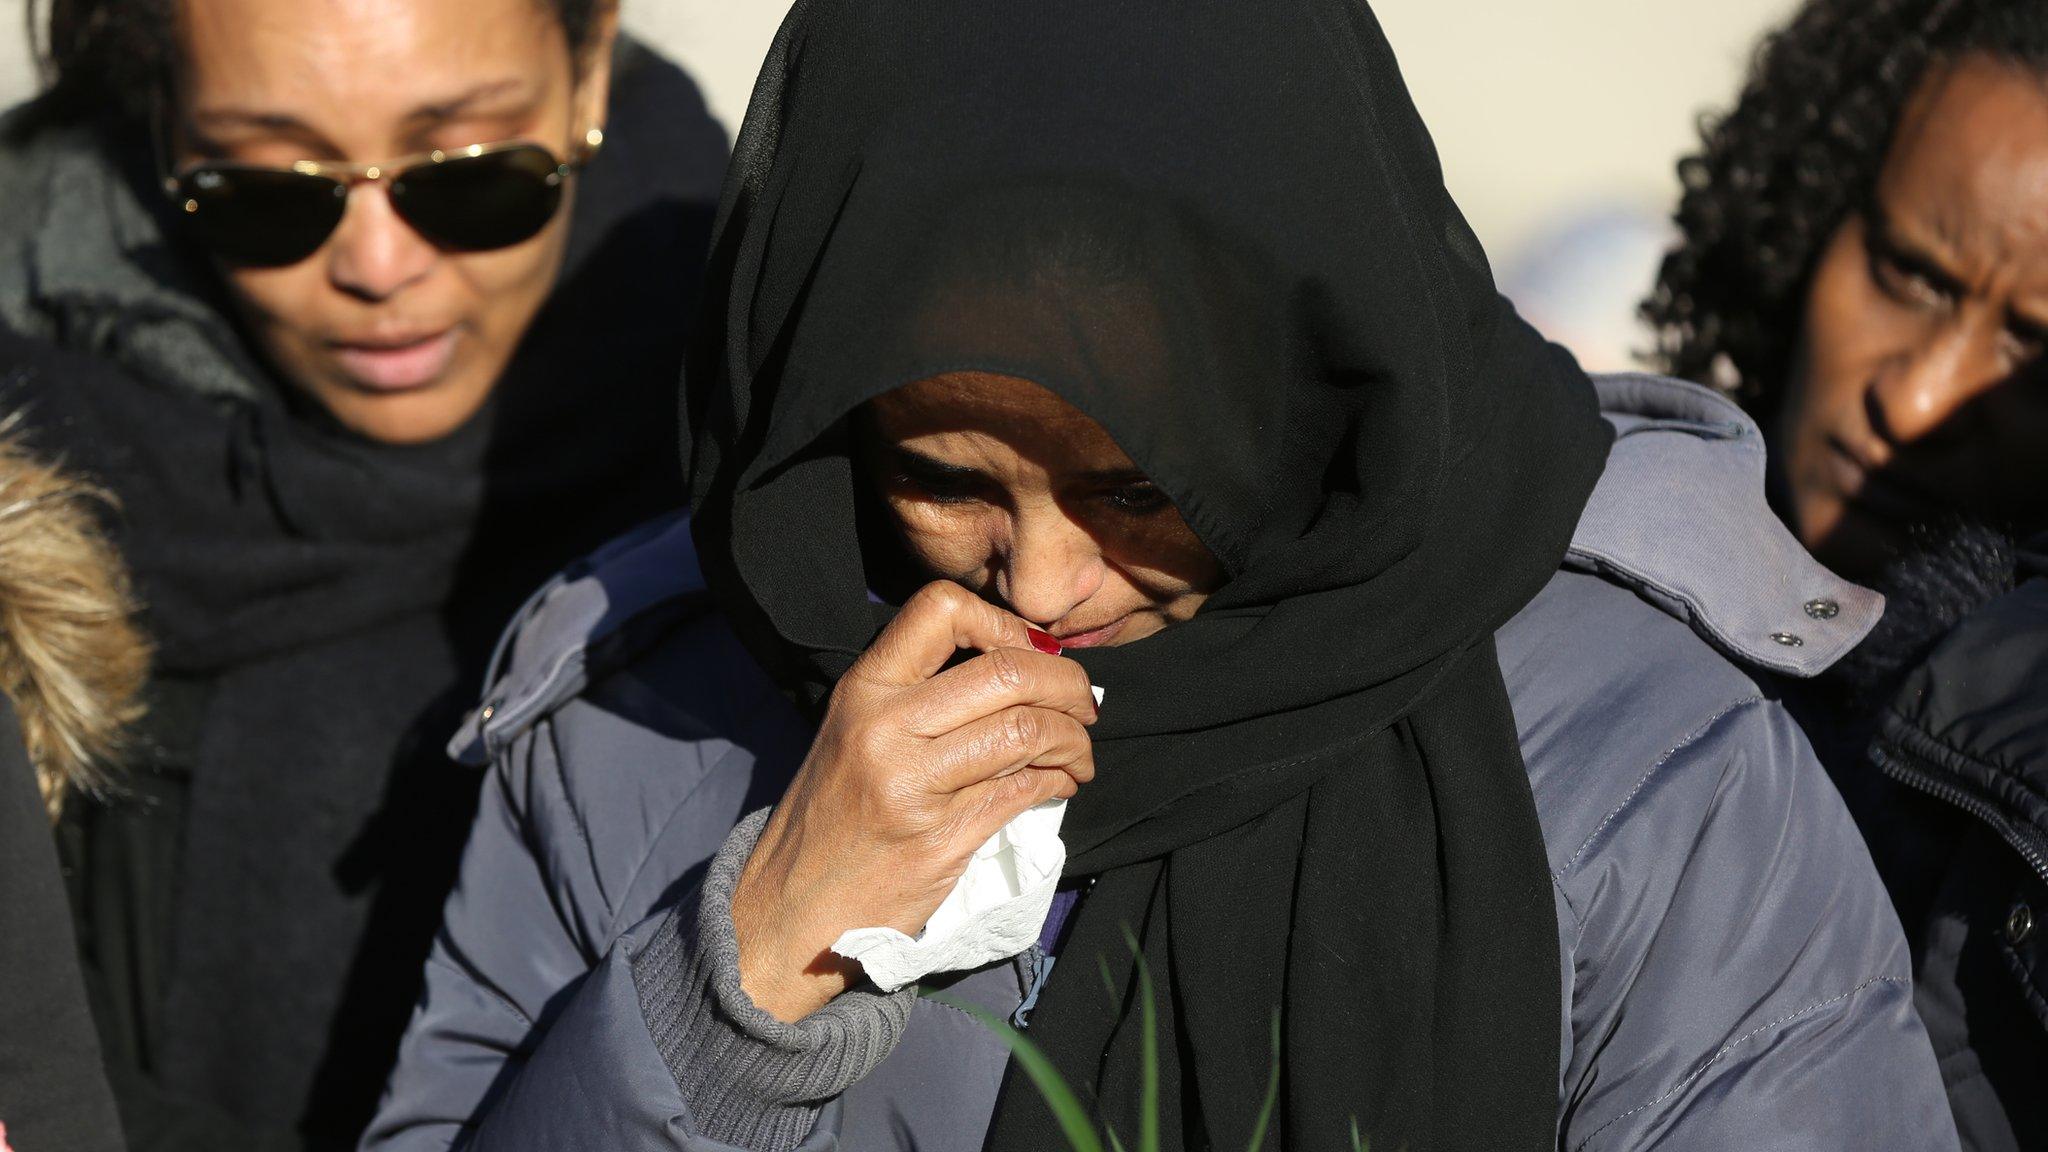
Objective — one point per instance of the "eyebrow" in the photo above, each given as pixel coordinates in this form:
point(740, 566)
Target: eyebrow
point(918, 461)
point(466, 101)
point(429, 112)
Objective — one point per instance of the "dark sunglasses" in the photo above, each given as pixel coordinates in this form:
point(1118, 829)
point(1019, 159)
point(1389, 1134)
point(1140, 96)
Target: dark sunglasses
point(465, 199)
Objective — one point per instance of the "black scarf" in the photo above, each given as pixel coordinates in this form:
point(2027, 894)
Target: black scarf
point(1220, 230)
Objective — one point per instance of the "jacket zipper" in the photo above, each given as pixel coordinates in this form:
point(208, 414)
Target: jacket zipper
point(1909, 770)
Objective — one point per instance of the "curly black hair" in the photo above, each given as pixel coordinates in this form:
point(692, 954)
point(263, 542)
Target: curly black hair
point(111, 59)
point(1798, 155)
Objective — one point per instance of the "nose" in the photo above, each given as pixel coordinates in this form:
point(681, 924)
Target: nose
point(375, 254)
point(1051, 567)
point(1924, 389)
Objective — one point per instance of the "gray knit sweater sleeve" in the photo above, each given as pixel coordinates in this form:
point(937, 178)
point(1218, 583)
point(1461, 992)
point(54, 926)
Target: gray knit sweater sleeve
point(751, 1080)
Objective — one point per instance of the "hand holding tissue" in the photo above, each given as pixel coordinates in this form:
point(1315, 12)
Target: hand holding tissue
point(992, 913)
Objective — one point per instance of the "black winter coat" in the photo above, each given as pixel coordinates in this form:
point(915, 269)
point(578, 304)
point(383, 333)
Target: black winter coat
point(53, 1095)
point(1962, 838)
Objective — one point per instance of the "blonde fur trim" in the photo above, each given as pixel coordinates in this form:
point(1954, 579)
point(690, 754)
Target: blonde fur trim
point(71, 658)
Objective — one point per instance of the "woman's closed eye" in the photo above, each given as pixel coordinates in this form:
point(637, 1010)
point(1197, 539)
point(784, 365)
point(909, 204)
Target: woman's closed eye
point(939, 482)
point(1119, 493)
point(1909, 278)
point(943, 484)
point(1142, 498)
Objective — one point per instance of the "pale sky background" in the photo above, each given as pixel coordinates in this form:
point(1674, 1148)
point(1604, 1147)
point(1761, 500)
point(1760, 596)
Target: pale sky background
point(1559, 121)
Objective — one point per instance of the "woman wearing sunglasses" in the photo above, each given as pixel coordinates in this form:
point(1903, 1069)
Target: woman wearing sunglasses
point(368, 314)
point(1435, 790)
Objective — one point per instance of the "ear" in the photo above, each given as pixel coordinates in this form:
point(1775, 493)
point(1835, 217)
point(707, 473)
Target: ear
point(594, 70)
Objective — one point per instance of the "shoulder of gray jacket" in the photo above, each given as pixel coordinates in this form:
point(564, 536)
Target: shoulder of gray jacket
point(594, 616)
point(1681, 594)
point(1672, 790)
point(1680, 518)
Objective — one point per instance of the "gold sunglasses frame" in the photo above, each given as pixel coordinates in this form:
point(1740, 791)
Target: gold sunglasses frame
point(348, 174)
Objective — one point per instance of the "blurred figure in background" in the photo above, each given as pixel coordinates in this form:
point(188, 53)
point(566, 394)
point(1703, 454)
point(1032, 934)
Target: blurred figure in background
point(370, 314)
point(71, 666)
point(1865, 265)
point(1579, 278)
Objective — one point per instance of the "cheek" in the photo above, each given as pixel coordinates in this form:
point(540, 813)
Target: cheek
point(1836, 345)
point(954, 542)
point(499, 294)
point(500, 291)
point(1162, 557)
point(284, 303)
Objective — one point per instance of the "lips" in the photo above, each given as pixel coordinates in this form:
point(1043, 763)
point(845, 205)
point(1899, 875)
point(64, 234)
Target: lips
point(1094, 637)
point(399, 363)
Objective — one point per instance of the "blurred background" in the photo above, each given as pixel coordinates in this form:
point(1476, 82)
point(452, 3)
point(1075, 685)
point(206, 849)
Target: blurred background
point(1559, 122)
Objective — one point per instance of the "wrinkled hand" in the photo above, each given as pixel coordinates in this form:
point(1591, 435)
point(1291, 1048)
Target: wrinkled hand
point(911, 771)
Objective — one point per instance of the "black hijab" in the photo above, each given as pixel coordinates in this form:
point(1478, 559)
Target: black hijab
point(1220, 230)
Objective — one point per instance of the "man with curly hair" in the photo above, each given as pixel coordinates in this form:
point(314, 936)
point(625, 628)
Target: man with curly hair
point(1864, 266)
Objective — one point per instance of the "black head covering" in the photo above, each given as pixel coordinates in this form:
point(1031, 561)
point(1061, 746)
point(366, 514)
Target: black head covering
point(1220, 230)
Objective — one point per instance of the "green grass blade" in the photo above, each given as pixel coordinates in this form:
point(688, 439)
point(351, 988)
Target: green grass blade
point(1066, 1107)
point(1148, 1067)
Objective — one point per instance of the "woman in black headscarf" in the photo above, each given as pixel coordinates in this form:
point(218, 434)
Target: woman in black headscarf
point(1111, 350)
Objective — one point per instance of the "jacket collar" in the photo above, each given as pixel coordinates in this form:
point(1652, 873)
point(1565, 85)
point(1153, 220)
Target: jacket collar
point(598, 612)
point(1679, 516)
point(90, 260)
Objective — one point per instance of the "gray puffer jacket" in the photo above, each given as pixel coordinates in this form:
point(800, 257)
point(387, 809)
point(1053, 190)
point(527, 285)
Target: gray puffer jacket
point(1734, 975)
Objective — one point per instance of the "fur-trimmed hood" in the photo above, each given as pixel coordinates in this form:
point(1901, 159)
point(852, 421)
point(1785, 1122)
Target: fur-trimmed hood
point(71, 659)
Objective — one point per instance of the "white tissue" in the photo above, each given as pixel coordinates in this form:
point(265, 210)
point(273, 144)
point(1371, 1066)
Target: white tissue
point(994, 911)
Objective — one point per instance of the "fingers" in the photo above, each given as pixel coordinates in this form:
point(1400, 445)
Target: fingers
point(999, 679)
point(938, 621)
point(986, 807)
point(1011, 741)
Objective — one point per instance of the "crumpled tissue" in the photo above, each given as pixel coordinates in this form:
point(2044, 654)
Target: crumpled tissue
point(994, 911)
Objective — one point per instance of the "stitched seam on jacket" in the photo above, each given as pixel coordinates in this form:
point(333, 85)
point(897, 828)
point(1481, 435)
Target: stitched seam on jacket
point(613, 929)
point(1707, 623)
point(1745, 1038)
point(1627, 801)
point(501, 652)
point(937, 1003)
point(569, 674)
point(520, 711)
point(1678, 392)
point(546, 729)
point(468, 977)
